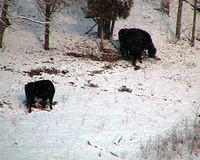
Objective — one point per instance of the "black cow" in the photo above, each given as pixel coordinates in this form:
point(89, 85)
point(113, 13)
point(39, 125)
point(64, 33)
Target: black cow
point(43, 89)
point(133, 42)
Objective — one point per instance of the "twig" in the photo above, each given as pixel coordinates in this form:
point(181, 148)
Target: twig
point(118, 141)
point(3, 22)
point(102, 149)
point(90, 28)
point(197, 8)
point(29, 19)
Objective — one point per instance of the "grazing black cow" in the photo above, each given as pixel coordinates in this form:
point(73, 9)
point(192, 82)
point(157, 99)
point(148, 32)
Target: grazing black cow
point(43, 89)
point(133, 42)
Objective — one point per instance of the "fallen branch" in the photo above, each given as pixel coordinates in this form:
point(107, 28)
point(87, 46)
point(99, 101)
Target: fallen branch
point(29, 19)
point(189, 2)
point(102, 149)
point(3, 22)
point(91, 28)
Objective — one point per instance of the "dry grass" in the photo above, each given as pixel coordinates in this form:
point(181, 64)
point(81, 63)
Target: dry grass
point(181, 142)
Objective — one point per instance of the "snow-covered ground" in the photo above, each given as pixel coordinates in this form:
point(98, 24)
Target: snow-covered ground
point(92, 118)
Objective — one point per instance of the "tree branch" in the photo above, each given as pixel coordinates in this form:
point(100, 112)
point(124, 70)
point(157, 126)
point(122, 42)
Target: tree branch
point(91, 28)
point(32, 20)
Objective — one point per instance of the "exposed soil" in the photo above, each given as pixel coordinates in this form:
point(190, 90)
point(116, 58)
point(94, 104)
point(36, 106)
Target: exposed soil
point(39, 71)
point(125, 89)
point(108, 55)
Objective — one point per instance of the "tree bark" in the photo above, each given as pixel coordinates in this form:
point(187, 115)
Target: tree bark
point(194, 24)
point(179, 16)
point(47, 26)
point(101, 33)
point(112, 29)
point(165, 6)
point(108, 27)
point(4, 22)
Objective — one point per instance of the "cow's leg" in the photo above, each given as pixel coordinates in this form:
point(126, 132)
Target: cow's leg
point(133, 60)
point(30, 102)
point(51, 102)
point(134, 56)
point(139, 57)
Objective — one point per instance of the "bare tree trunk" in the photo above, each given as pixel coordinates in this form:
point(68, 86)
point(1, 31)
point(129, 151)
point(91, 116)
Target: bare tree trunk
point(194, 24)
point(106, 29)
point(112, 29)
point(4, 22)
point(165, 6)
point(179, 16)
point(99, 29)
point(101, 33)
point(47, 26)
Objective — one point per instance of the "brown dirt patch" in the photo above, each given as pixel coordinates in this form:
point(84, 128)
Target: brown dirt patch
point(109, 55)
point(125, 89)
point(40, 71)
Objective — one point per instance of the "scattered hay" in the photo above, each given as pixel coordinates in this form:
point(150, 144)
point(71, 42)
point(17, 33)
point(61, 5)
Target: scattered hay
point(38, 106)
point(40, 71)
point(92, 73)
point(5, 68)
point(110, 56)
point(92, 85)
point(125, 89)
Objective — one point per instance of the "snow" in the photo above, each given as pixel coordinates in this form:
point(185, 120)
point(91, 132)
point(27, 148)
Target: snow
point(91, 123)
